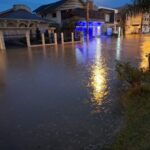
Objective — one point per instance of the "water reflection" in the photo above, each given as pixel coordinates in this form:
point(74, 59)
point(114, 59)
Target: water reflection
point(2, 69)
point(45, 90)
point(98, 78)
point(30, 55)
point(145, 49)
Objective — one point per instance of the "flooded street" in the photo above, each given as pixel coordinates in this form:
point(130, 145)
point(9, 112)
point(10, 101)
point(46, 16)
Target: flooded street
point(65, 97)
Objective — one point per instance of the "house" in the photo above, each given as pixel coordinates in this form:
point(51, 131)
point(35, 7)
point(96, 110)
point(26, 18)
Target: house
point(109, 16)
point(138, 24)
point(146, 23)
point(135, 24)
point(56, 11)
point(65, 10)
point(20, 18)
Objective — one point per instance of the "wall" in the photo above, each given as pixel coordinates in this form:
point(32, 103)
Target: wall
point(133, 24)
point(56, 19)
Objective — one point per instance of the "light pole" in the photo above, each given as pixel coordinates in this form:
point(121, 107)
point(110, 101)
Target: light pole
point(87, 18)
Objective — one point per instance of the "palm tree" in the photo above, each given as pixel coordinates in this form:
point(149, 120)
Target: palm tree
point(123, 12)
point(140, 6)
point(137, 7)
point(87, 17)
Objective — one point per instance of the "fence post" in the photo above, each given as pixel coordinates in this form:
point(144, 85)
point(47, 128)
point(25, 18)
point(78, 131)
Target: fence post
point(62, 38)
point(28, 39)
point(55, 38)
point(43, 39)
point(81, 37)
point(72, 37)
point(2, 43)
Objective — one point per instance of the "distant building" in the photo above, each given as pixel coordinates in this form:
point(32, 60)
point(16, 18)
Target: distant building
point(146, 23)
point(64, 10)
point(109, 16)
point(21, 17)
point(135, 24)
point(138, 24)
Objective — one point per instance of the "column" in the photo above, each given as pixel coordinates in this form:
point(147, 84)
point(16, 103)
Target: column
point(28, 38)
point(55, 38)
point(72, 37)
point(43, 39)
point(2, 43)
point(62, 38)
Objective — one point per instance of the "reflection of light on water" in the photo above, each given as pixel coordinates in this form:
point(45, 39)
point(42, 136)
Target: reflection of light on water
point(98, 81)
point(145, 49)
point(118, 48)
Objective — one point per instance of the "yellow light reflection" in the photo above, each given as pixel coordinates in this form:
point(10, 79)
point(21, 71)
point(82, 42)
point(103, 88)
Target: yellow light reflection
point(98, 79)
point(145, 49)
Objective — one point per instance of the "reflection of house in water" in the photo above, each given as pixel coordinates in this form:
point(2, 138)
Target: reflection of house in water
point(2, 69)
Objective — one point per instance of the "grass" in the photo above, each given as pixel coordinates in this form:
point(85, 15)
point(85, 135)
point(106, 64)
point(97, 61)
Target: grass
point(135, 135)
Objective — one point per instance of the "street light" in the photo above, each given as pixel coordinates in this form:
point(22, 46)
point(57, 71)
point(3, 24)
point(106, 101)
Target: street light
point(87, 18)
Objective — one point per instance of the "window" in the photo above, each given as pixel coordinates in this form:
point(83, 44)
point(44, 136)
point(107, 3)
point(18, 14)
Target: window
point(54, 15)
point(107, 17)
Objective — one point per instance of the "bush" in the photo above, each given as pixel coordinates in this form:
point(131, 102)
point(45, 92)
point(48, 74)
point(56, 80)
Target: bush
point(135, 134)
point(129, 74)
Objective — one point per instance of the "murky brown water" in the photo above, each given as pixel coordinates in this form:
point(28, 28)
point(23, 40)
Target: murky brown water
point(64, 98)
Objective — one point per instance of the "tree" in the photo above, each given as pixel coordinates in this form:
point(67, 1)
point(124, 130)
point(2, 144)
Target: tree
point(122, 15)
point(140, 6)
point(137, 7)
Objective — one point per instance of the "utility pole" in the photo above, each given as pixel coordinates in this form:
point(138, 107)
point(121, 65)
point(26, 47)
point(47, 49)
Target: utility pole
point(87, 18)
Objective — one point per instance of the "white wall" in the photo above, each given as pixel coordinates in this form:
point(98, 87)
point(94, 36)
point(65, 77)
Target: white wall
point(56, 19)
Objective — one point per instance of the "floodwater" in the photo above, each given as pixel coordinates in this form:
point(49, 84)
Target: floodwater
point(65, 97)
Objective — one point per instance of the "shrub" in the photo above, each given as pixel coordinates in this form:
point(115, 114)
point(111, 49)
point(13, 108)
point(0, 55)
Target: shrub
point(129, 74)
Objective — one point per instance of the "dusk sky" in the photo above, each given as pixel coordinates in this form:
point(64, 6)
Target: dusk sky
point(6, 4)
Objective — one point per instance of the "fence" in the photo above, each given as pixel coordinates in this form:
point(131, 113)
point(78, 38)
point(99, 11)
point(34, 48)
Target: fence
point(29, 39)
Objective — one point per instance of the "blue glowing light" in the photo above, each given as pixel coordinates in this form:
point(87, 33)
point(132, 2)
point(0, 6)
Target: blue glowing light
point(94, 28)
point(90, 24)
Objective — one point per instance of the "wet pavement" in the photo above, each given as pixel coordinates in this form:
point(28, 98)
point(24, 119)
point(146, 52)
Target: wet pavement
point(65, 97)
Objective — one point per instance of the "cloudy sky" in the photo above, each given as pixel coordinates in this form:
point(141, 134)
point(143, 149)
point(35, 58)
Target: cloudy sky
point(6, 4)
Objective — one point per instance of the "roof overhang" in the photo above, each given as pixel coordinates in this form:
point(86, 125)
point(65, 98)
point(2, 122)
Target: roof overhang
point(107, 8)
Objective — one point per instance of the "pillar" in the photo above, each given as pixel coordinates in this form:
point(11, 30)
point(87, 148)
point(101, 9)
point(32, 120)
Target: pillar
point(2, 43)
point(115, 28)
point(72, 37)
point(55, 38)
point(28, 39)
point(43, 39)
point(62, 38)
point(81, 37)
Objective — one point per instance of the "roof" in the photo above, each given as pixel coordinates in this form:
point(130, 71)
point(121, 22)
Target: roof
point(50, 7)
point(20, 14)
point(107, 8)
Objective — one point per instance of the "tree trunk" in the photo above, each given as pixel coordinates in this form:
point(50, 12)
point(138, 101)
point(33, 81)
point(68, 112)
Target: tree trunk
point(141, 23)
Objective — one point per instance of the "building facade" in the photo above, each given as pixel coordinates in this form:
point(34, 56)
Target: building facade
point(146, 23)
point(138, 24)
point(99, 19)
point(135, 24)
point(19, 19)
